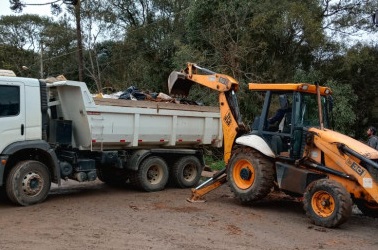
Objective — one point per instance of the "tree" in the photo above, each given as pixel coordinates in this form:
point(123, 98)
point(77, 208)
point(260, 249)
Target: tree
point(150, 30)
point(18, 5)
point(343, 116)
point(344, 112)
point(347, 16)
point(357, 66)
point(25, 35)
point(254, 40)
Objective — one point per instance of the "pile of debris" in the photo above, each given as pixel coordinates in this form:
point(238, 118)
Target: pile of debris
point(133, 93)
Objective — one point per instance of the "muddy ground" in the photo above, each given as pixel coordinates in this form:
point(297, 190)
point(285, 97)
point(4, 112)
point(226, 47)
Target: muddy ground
point(96, 216)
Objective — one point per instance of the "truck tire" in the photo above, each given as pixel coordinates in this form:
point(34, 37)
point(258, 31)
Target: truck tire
point(367, 208)
point(152, 174)
point(186, 172)
point(250, 175)
point(327, 203)
point(3, 193)
point(28, 183)
point(112, 177)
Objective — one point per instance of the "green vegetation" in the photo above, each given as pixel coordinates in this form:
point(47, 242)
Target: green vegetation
point(214, 163)
point(140, 42)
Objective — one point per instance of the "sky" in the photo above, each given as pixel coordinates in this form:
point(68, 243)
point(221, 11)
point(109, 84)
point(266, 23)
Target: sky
point(40, 10)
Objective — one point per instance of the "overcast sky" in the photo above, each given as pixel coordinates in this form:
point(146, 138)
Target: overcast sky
point(40, 10)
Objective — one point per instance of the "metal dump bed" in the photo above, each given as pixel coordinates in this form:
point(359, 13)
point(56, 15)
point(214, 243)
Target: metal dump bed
point(101, 123)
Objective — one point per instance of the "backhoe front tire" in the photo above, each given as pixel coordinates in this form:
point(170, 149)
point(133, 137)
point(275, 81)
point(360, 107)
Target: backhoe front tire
point(250, 175)
point(327, 203)
point(28, 183)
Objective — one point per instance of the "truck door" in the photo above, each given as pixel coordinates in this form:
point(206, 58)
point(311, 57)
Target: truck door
point(12, 113)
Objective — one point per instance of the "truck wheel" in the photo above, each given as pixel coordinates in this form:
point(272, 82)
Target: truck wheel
point(28, 183)
point(3, 193)
point(250, 175)
point(186, 172)
point(368, 208)
point(327, 203)
point(112, 177)
point(152, 174)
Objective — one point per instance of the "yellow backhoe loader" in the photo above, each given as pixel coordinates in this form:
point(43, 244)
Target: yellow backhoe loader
point(289, 147)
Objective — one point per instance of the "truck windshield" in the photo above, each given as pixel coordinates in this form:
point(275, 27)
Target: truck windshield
point(9, 100)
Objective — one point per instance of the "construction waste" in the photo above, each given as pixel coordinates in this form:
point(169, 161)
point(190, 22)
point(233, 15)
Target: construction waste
point(133, 93)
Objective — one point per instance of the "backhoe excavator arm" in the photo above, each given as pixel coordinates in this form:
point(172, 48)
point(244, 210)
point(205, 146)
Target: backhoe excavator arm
point(179, 83)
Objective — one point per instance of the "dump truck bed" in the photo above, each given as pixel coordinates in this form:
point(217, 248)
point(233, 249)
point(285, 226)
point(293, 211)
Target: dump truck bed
point(102, 123)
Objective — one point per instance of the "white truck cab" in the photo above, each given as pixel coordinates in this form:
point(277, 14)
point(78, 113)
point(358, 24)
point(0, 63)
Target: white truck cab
point(19, 100)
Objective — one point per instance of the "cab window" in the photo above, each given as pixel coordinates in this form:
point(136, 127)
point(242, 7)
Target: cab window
point(9, 100)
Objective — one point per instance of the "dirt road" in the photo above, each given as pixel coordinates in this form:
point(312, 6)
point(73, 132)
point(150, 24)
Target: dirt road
point(96, 216)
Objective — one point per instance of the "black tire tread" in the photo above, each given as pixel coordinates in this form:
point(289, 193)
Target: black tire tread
point(11, 184)
point(112, 177)
point(138, 180)
point(176, 172)
point(265, 175)
point(343, 203)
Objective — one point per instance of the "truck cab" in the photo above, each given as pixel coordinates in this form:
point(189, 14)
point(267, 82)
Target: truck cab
point(20, 124)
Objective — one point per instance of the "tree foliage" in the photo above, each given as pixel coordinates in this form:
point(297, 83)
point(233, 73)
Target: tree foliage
point(140, 42)
point(343, 115)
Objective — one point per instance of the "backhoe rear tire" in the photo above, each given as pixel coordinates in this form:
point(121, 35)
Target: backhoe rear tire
point(250, 175)
point(327, 203)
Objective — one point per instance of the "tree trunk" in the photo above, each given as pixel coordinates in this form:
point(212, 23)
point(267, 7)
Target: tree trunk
point(79, 41)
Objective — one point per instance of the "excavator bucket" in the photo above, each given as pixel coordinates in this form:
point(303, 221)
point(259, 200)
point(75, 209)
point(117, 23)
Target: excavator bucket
point(179, 84)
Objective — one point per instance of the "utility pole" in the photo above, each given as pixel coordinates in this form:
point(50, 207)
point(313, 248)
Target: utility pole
point(80, 57)
point(41, 59)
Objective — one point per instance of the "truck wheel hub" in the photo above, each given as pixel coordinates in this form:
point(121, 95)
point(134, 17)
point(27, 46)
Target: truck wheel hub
point(32, 184)
point(189, 172)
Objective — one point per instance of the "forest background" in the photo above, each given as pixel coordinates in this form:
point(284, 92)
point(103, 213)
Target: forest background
point(116, 44)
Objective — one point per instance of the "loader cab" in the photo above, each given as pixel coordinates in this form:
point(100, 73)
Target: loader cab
point(285, 118)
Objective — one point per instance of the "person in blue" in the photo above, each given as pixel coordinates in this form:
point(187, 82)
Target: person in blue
point(280, 113)
point(373, 139)
point(279, 123)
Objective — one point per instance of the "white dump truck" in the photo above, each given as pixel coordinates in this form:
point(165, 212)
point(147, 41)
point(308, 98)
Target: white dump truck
point(58, 131)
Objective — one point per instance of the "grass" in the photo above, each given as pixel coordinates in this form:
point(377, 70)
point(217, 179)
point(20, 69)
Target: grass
point(214, 164)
